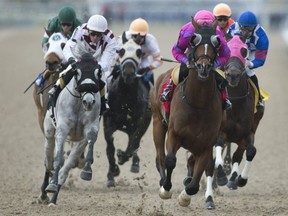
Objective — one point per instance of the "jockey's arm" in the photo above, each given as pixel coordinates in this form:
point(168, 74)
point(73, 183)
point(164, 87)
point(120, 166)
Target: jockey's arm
point(71, 43)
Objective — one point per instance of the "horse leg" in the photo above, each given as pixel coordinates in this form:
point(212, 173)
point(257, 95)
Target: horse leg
point(43, 198)
point(220, 175)
point(170, 163)
point(86, 173)
point(250, 154)
point(236, 160)
point(159, 134)
point(110, 152)
point(227, 159)
point(190, 168)
point(135, 163)
point(209, 203)
point(192, 188)
point(59, 158)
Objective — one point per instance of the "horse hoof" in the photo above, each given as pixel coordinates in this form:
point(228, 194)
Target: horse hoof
point(184, 199)
point(209, 203)
point(240, 181)
point(86, 175)
point(221, 176)
point(122, 158)
point(232, 185)
point(43, 199)
point(52, 205)
point(164, 194)
point(187, 180)
point(51, 188)
point(135, 169)
point(111, 183)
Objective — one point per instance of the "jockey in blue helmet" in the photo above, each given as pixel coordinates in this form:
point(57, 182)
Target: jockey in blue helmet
point(257, 41)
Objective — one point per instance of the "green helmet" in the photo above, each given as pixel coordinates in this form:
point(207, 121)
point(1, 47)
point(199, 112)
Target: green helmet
point(67, 15)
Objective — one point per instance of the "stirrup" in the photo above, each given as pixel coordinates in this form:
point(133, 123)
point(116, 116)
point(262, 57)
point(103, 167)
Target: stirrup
point(165, 96)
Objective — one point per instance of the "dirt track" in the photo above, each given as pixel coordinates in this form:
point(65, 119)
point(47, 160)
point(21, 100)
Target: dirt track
point(22, 148)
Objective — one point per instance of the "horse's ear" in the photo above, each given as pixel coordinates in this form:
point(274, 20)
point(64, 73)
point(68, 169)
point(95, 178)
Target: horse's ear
point(62, 45)
point(139, 53)
point(214, 24)
point(121, 52)
point(124, 38)
point(228, 37)
point(244, 52)
point(195, 24)
point(49, 33)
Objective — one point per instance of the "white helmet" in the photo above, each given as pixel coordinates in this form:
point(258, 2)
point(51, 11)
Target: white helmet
point(97, 23)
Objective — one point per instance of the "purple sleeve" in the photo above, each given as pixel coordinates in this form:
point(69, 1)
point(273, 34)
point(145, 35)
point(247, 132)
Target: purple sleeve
point(223, 52)
point(178, 50)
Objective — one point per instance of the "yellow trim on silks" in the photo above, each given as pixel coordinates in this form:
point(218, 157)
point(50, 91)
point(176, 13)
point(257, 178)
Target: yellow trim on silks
point(103, 91)
point(62, 83)
point(175, 74)
point(264, 94)
point(219, 71)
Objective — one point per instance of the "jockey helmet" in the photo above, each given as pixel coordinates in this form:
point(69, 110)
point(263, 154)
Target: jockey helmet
point(139, 26)
point(204, 17)
point(66, 15)
point(222, 9)
point(248, 19)
point(97, 23)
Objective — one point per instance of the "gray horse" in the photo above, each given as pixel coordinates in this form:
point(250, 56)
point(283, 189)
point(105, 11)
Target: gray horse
point(77, 114)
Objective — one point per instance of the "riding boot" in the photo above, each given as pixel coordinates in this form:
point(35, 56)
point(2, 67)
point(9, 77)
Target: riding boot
point(104, 105)
point(167, 90)
point(255, 81)
point(221, 85)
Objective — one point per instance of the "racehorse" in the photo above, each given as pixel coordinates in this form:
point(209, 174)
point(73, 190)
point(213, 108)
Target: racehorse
point(129, 111)
point(195, 118)
point(77, 114)
point(53, 58)
point(242, 121)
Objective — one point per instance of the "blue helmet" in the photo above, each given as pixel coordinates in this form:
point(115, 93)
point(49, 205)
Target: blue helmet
point(247, 18)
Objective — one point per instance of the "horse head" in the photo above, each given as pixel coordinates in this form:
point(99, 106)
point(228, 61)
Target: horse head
point(130, 56)
point(54, 55)
point(88, 76)
point(235, 67)
point(204, 43)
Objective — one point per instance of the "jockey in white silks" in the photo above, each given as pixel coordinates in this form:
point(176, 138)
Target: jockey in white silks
point(93, 37)
point(151, 58)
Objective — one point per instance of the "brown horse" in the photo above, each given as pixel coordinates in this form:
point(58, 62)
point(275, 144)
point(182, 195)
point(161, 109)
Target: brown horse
point(195, 119)
point(242, 121)
point(53, 58)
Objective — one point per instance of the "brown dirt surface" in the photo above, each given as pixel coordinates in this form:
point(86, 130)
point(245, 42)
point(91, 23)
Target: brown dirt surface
point(22, 147)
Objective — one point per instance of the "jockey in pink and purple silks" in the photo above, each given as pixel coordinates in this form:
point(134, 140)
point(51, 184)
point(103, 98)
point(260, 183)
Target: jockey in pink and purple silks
point(181, 50)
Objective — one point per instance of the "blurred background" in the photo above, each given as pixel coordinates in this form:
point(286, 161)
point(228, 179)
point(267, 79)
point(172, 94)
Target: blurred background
point(271, 13)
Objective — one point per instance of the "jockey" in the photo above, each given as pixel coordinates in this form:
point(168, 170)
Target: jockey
point(257, 42)
point(65, 23)
point(222, 13)
point(202, 17)
point(139, 32)
point(93, 37)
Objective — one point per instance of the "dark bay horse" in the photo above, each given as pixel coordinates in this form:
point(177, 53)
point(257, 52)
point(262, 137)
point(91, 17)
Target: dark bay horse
point(129, 111)
point(242, 121)
point(53, 58)
point(77, 114)
point(195, 119)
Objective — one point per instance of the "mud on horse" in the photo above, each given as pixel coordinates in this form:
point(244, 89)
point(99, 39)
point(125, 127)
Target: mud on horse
point(242, 121)
point(195, 119)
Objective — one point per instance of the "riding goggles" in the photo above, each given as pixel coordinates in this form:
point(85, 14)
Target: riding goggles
point(247, 28)
point(222, 18)
point(94, 33)
point(66, 24)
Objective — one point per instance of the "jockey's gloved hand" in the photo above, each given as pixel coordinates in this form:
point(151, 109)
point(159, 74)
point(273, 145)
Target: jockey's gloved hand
point(249, 64)
point(72, 62)
point(143, 71)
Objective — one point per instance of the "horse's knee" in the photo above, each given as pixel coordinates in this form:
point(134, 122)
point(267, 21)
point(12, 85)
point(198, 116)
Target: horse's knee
point(170, 161)
point(250, 153)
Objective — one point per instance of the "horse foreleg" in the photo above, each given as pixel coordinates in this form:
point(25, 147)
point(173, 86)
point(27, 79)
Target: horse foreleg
point(43, 198)
point(250, 154)
point(59, 160)
point(86, 173)
point(55, 196)
point(135, 163)
point(227, 159)
point(220, 175)
point(209, 203)
point(236, 160)
point(159, 134)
